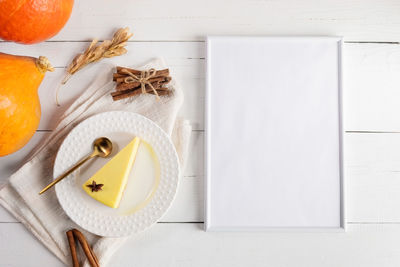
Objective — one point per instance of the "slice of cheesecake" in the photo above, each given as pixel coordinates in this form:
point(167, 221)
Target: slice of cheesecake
point(108, 184)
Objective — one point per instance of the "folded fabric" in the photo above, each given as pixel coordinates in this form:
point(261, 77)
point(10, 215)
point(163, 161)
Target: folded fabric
point(43, 215)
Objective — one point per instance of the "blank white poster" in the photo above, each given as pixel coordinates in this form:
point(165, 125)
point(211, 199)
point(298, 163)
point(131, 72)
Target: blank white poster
point(273, 133)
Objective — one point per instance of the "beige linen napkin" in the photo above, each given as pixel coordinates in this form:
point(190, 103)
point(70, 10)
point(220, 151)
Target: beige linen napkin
point(43, 215)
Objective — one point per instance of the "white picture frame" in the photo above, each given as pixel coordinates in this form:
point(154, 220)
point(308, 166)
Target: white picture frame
point(211, 197)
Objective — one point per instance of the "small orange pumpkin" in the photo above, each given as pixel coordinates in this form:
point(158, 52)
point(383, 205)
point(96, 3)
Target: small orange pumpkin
point(19, 101)
point(33, 21)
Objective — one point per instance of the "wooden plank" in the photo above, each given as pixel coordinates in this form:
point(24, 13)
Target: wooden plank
point(18, 247)
point(372, 164)
point(371, 87)
point(371, 79)
point(187, 206)
point(372, 169)
point(177, 54)
point(11, 163)
point(174, 245)
point(184, 60)
point(365, 63)
point(192, 20)
point(190, 110)
point(188, 245)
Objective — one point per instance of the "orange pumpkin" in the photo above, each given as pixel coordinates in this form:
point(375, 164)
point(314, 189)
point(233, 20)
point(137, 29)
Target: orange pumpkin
point(33, 21)
point(20, 78)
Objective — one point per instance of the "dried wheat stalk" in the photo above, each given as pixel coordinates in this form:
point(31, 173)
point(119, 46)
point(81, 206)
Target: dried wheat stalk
point(96, 52)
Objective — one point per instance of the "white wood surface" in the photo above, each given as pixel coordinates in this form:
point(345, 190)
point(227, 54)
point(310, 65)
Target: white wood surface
point(175, 30)
point(182, 245)
point(357, 20)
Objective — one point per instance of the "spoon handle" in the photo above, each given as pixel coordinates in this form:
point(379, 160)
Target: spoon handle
point(68, 172)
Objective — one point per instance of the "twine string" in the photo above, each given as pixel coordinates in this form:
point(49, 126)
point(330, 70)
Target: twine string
point(143, 79)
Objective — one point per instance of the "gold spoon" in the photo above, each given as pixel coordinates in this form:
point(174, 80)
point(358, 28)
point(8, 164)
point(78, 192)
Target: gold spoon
point(102, 147)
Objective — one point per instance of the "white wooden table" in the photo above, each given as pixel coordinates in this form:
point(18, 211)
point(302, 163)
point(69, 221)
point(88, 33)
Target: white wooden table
point(175, 30)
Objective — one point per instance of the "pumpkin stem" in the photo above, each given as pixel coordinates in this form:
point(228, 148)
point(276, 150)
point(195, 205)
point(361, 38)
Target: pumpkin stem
point(43, 64)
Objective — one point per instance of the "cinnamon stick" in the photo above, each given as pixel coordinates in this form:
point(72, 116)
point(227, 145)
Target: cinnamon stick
point(93, 261)
point(164, 72)
point(157, 78)
point(157, 86)
point(161, 92)
point(137, 91)
point(119, 77)
point(72, 246)
point(153, 81)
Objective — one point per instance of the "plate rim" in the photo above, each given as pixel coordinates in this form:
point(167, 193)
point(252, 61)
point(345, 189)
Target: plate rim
point(176, 180)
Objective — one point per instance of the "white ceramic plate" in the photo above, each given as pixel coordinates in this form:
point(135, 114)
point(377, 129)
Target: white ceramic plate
point(152, 183)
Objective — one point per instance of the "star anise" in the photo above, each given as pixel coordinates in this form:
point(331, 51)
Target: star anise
point(95, 187)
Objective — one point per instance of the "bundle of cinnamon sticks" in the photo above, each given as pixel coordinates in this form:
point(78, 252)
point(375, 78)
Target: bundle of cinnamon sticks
point(131, 82)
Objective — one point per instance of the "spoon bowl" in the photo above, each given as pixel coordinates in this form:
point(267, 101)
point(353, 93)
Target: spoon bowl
point(102, 147)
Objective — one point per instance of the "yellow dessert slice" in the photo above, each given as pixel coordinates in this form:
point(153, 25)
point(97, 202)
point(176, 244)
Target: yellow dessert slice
point(108, 184)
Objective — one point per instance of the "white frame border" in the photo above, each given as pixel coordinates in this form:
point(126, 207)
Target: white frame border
point(343, 226)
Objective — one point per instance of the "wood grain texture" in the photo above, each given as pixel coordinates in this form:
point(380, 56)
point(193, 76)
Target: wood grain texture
point(372, 165)
point(371, 87)
point(362, 61)
point(183, 245)
point(362, 245)
point(19, 248)
point(185, 61)
point(11, 163)
point(372, 169)
point(371, 79)
point(357, 20)
point(176, 30)
point(187, 206)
